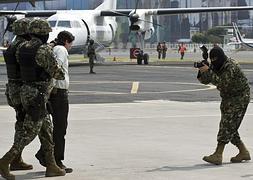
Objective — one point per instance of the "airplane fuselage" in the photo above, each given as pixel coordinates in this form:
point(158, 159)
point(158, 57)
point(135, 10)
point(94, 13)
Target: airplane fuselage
point(84, 25)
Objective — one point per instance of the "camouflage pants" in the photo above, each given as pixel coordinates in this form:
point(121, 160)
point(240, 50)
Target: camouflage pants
point(91, 61)
point(13, 98)
point(232, 113)
point(42, 126)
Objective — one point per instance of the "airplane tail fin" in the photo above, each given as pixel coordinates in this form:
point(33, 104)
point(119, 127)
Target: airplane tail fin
point(239, 37)
point(107, 4)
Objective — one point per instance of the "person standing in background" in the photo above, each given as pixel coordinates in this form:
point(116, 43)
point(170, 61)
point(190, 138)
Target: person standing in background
point(181, 50)
point(164, 49)
point(159, 50)
point(92, 55)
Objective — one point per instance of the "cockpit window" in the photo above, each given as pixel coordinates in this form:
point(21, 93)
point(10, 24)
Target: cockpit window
point(64, 24)
point(76, 24)
point(52, 23)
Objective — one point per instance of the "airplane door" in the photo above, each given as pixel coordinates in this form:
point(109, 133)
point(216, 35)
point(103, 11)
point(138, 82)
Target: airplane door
point(80, 34)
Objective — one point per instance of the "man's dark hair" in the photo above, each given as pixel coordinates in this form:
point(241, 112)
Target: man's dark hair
point(64, 36)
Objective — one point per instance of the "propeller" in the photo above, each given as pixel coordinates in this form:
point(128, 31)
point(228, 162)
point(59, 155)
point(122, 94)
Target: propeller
point(133, 18)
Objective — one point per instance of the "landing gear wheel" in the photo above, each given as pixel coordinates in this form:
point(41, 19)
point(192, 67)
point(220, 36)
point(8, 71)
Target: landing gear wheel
point(145, 58)
point(139, 59)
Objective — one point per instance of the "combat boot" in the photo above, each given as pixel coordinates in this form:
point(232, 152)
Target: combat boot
point(40, 156)
point(5, 162)
point(52, 168)
point(216, 157)
point(62, 166)
point(19, 164)
point(243, 154)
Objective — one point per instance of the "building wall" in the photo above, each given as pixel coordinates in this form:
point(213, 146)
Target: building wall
point(77, 4)
point(59, 4)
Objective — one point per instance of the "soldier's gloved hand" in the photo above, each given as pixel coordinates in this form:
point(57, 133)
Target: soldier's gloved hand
point(53, 43)
point(59, 75)
point(204, 68)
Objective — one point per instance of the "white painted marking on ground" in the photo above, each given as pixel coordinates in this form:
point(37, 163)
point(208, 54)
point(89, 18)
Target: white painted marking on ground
point(135, 87)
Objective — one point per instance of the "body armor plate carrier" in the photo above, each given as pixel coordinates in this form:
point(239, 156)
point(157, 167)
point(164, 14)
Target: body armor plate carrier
point(30, 70)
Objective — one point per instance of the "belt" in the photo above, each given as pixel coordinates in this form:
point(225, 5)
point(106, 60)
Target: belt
point(58, 90)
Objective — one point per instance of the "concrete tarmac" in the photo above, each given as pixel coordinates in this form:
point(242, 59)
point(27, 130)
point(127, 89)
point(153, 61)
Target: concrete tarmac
point(149, 140)
point(139, 140)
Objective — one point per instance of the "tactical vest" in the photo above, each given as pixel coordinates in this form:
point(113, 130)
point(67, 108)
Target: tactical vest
point(12, 66)
point(91, 50)
point(30, 71)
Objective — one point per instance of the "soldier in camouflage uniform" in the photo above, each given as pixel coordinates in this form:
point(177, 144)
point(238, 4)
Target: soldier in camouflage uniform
point(37, 68)
point(229, 79)
point(92, 55)
point(20, 29)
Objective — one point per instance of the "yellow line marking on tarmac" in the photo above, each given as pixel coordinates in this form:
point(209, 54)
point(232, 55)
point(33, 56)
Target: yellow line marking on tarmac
point(135, 88)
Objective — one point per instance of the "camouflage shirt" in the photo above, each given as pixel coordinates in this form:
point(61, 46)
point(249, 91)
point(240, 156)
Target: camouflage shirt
point(18, 40)
point(91, 50)
point(45, 58)
point(230, 80)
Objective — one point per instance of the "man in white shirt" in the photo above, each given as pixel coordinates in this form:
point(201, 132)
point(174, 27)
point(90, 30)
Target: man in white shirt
point(59, 100)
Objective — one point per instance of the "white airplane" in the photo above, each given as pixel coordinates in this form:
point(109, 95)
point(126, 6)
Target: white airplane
point(239, 39)
point(100, 24)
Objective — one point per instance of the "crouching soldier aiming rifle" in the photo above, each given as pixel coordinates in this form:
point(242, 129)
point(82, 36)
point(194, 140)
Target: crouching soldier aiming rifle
point(227, 76)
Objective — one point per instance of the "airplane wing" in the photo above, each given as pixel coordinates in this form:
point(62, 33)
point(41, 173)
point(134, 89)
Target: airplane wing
point(126, 12)
point(2, 13)
point(36, 13)
point(40, 13)
point(173, 11)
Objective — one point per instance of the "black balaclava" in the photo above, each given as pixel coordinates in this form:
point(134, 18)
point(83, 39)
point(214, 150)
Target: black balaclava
point(26, 36)
point(91, 41)
point(43, 38)
point(217, 57)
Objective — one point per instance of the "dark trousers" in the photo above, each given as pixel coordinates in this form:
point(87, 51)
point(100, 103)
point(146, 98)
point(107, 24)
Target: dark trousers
point(159, 55)
point(182, 55)
point(164, 55)
point(91, 62)
point(60, 109)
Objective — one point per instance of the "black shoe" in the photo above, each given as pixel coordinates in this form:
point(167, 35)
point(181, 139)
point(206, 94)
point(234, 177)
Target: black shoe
point(62, 166)
point(41, 158)
point(92, 72)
